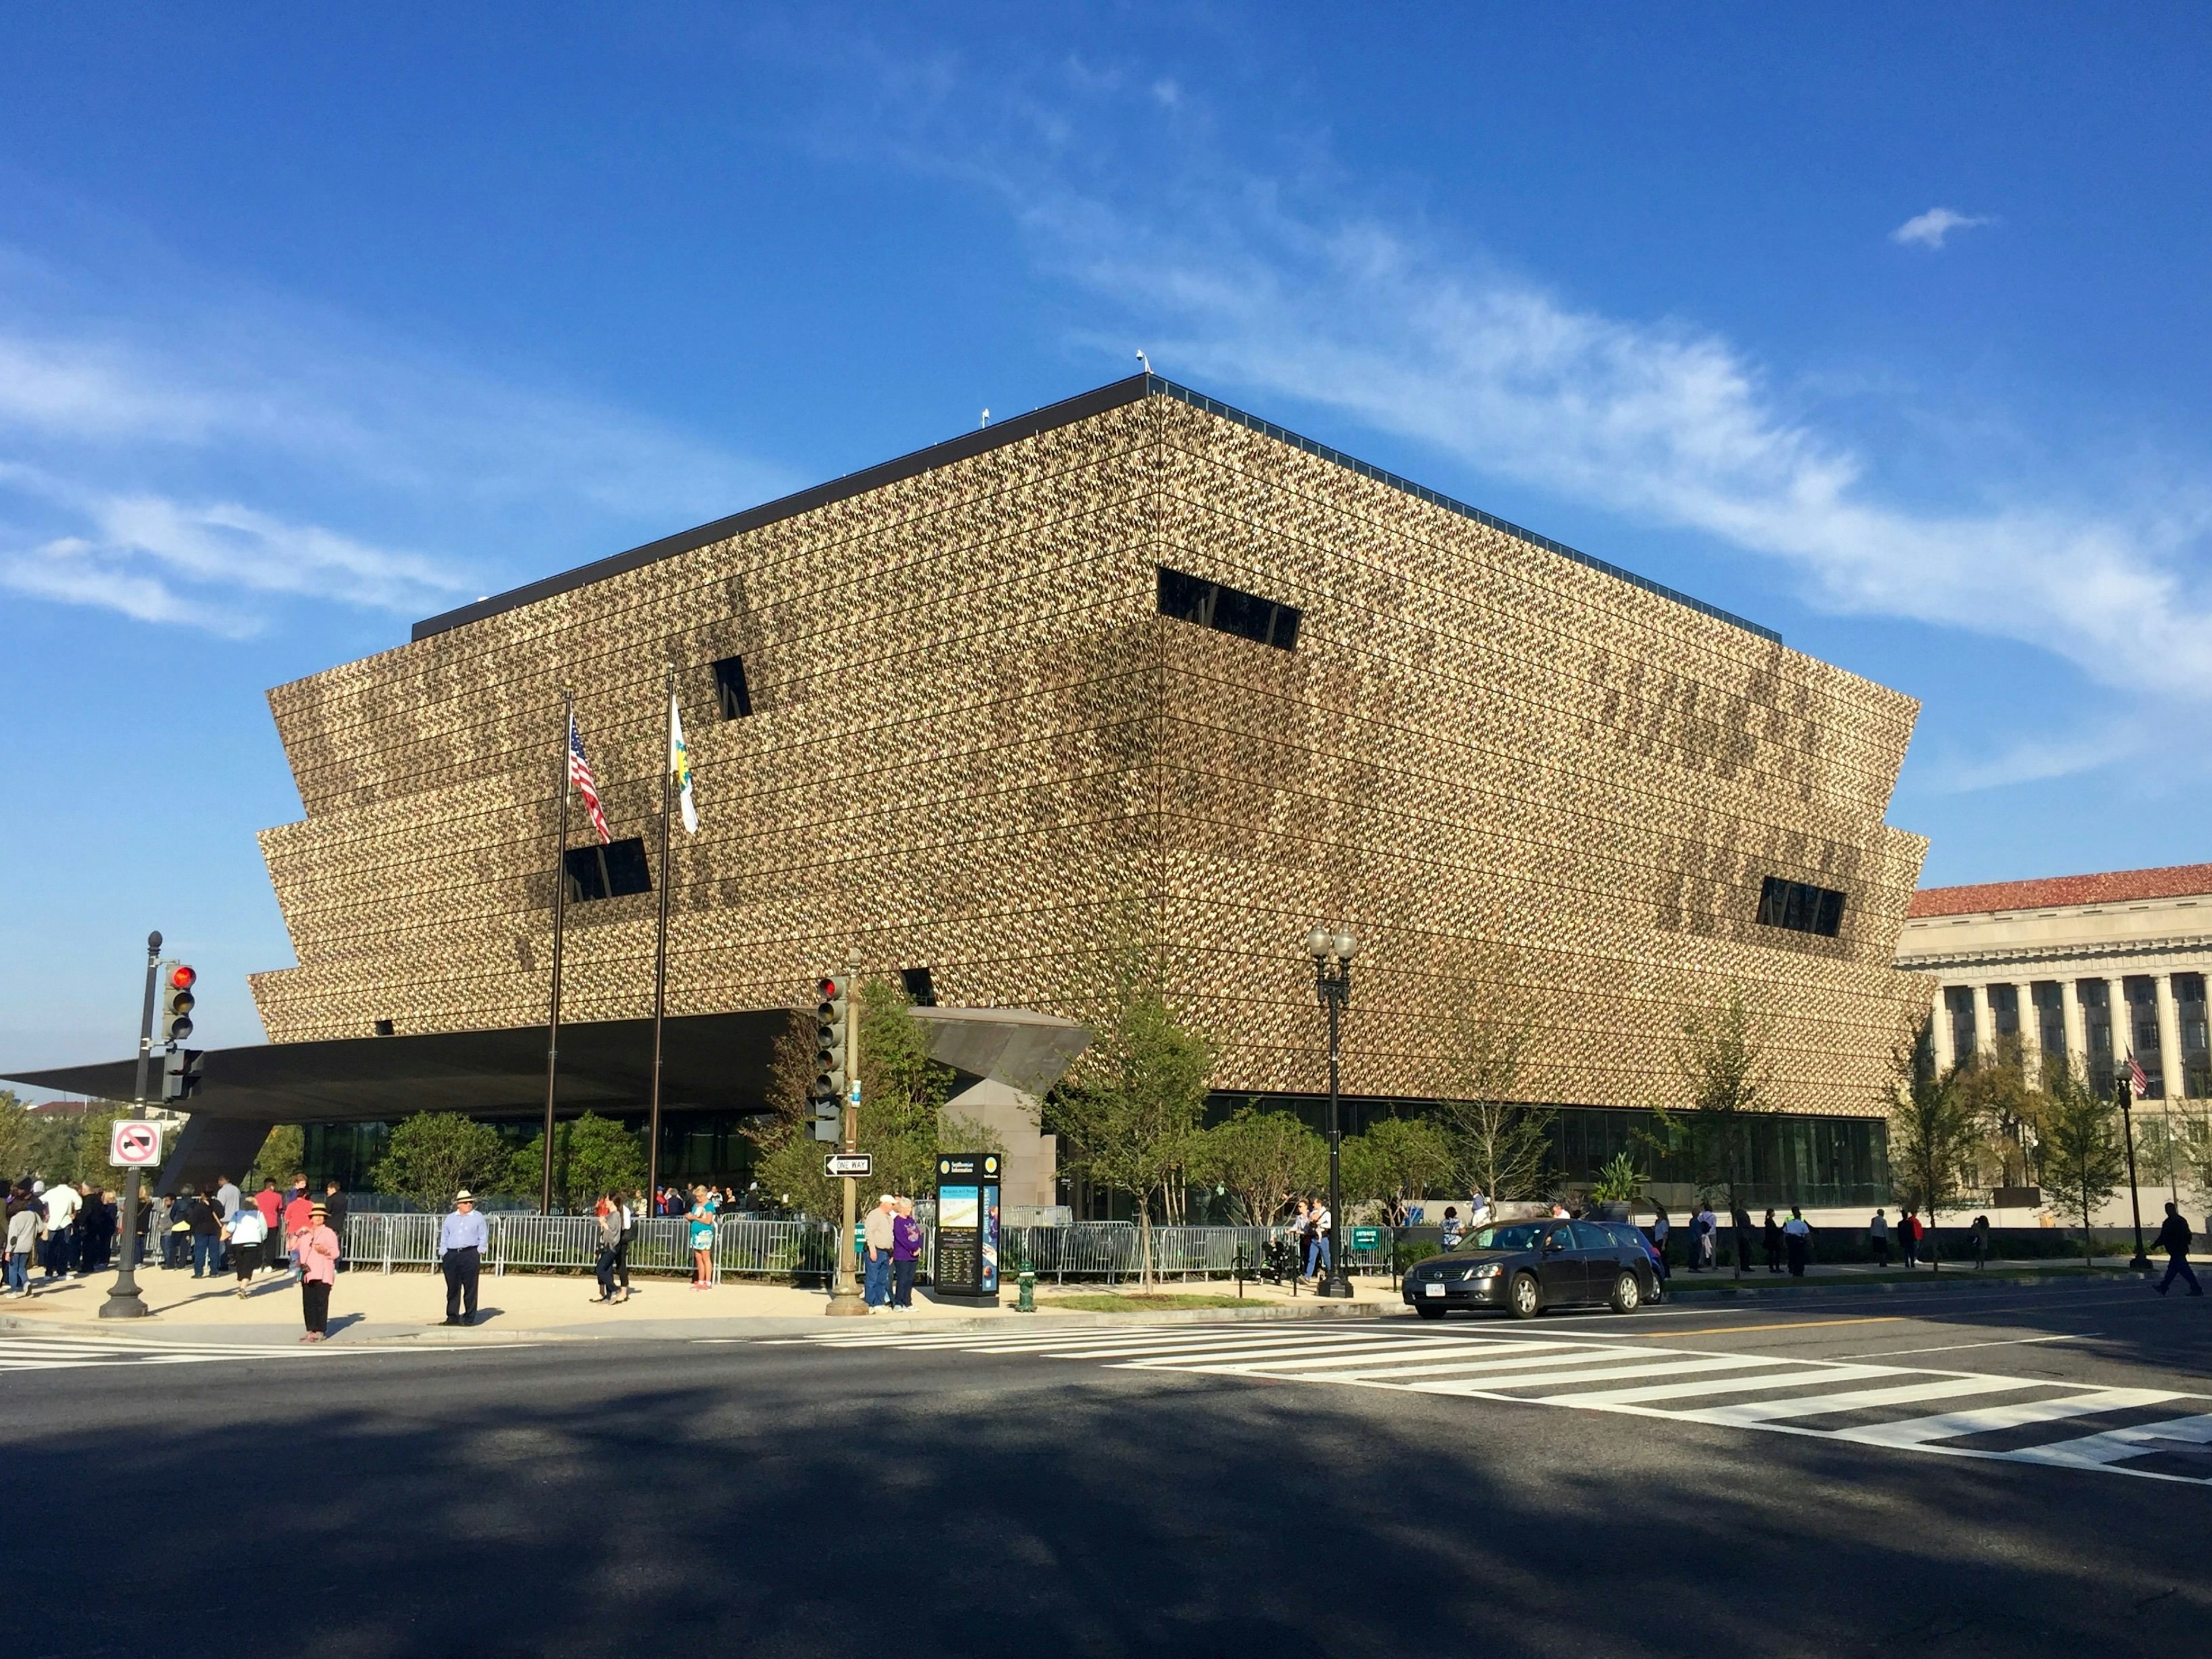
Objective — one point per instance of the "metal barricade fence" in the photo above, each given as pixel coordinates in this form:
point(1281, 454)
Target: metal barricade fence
point(805, 1248)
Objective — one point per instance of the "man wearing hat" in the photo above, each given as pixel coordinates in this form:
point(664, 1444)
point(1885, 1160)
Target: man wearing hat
point(461, 1243)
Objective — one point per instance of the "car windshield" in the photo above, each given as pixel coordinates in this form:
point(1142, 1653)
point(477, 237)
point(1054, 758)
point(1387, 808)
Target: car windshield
point(1517, 1236)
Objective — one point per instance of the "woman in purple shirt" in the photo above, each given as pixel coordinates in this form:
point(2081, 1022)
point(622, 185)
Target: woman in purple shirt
point(906, 1249)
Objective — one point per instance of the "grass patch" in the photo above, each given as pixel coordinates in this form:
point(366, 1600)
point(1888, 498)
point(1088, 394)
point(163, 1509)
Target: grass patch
point(1114, 1302)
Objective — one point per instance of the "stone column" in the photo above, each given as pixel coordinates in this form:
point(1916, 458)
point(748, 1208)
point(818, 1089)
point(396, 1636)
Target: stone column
point(2077, 1030)
point(1985, 1027)
point(2123, 1021)
point(1944, 1058)
point(2169, 1038)
point(2031, 1031)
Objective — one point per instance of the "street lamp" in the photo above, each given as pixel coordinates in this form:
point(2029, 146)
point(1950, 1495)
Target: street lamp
point(1332, 954)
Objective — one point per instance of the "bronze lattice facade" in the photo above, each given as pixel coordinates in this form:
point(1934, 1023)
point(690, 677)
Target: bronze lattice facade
point(977, 744)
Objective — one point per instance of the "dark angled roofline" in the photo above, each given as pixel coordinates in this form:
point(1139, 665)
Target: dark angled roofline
point(1064, 413)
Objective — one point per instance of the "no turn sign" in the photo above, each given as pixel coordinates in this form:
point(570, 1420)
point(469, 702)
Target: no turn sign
point(134, 1146)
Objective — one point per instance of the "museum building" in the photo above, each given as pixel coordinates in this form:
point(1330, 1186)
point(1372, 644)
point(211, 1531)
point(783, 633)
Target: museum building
point(1135, 672)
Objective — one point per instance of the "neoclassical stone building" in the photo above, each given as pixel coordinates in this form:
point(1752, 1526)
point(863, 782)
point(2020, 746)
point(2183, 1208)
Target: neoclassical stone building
point(2096, 966)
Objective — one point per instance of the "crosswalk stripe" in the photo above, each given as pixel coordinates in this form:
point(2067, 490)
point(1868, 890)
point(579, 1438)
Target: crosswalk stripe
point(1952, 1425)
point(1599, 1399)
point(1824, 1405)
point(2095, 1450)
point(1486, 1363)
point(1644, 1366)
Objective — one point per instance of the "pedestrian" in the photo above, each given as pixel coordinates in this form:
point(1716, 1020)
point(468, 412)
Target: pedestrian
point(1797, 1236)
point(1980, 1233)
point(1772, 1234)
point(1704, 1236)
point(1324, 1224)
point(336, 1208)
point(1908, 1232)
point(631, 1207)
point(22, 1241)
point(1477, 1207)
point(270, 1204)
point(876, 1257)
point(463, 1237)
point(318, 1271)
point(1739, 1224)
point(61, 1202)
point(906, 1251)
point(611, 1238)
point(176, 1232)
point(1660, 1229)
point(700, 1223)
point(227, 1198)
point(1878, 1239)
point(1452, 1230)
point(204, 1233)
point(299, 1215)
point(2173, 1239)
point(244, 1237)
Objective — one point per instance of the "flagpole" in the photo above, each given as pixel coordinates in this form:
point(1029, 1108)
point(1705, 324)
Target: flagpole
point(560, 914)
point(660, 954)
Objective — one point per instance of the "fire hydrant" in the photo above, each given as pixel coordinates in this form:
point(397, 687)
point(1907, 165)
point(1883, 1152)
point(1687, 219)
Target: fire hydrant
point(1025, 1302)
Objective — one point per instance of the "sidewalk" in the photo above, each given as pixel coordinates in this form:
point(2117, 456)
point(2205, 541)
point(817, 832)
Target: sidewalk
point(1865, 1276)
point(372, 1306)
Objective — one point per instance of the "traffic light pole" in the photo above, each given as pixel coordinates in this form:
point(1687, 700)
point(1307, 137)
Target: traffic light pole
point(844, 1295)
point(2141, 1262)
point(124, 1302)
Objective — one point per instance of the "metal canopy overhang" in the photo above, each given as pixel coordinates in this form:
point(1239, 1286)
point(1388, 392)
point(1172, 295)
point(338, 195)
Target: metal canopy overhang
point(710, 1062)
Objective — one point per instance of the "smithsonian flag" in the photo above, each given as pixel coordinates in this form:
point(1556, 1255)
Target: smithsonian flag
point(679, 762)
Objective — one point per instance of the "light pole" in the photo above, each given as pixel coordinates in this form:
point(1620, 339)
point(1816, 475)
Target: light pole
point(1332, 954)
point(124, 1302)
point(2126, 1092)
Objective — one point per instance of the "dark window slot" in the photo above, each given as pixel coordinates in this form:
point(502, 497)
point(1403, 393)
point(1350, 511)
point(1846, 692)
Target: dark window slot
point(1228, 610)
point(1800, 906)
point(921, 987)
point(614, 871)
point(730, 692)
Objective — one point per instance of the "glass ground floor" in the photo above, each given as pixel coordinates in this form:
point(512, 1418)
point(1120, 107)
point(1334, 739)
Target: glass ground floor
point(704, 1147)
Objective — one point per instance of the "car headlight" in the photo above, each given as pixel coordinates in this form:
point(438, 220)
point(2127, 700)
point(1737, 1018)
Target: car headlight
point(1487, 1270)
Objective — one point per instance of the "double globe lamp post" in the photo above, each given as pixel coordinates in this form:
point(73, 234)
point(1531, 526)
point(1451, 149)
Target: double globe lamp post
point(1332, 954)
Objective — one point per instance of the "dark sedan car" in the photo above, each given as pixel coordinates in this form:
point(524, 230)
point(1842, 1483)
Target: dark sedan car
point(1525, 1267)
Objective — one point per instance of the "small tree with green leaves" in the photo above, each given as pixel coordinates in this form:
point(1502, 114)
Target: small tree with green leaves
point(19, 1137)
point(283, 1154)
point(1499, 1146)
point(592, 1156)
point(1397, 1158)
point(433, 1155)
point(2083, 1159)
point(1721, 1060)
point(1260, 1159)
point(1935, 1128)
point(1619, 1181)
point(1128, 1114)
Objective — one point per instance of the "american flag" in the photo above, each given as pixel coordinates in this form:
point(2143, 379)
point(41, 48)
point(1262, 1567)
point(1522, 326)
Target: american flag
point(2136, 1080)
point(580, 775)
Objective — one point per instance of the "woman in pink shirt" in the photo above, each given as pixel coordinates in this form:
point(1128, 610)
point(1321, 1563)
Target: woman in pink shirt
point(317, 1248)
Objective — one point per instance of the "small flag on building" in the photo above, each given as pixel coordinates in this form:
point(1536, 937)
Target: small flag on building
point(580, 775)
point(2136, 1080)
point(679, 762)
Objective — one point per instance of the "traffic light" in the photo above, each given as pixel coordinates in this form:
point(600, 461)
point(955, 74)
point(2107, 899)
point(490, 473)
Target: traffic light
point(826, 1096)
point(176, 1002)
point(181, 1074)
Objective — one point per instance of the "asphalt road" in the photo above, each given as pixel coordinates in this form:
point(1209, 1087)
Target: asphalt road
point(1279, 1491)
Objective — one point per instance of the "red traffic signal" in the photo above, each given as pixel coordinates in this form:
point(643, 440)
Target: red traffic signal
point(829, 989)
point(182, 978)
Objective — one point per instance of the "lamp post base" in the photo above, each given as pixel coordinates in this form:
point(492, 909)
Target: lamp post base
point(847, 1299)
point(2142, 1263)
point(124, 1302)
point(1337, 1285)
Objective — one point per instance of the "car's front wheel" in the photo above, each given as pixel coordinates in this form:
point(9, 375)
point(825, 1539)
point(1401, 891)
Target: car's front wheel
point(1526, 1300)
point(1627, 1294)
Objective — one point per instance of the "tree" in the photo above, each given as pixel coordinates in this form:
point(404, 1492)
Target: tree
point(1397, 1158)
point(1261, 1157)
point(1934, 1127)
point(282, 1156)
point(1721, 1058)
point(591, 1156)
point(1619, 1181)
point(1499, 1146)
point(1130, 1110)
point(2192, 1144)
point(19, 1134)
point(2083, 1158)
point(433, 1155)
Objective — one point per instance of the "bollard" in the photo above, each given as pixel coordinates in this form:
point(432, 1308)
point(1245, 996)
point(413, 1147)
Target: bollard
point(1026, 1301)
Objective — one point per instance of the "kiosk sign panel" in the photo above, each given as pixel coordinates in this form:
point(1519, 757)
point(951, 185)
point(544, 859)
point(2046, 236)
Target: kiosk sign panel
point(967, 1236)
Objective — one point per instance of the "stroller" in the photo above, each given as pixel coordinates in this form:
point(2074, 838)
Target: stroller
point(1278, 1260)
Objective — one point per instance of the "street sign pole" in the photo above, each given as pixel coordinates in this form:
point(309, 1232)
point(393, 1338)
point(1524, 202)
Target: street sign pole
point(845, 1295)
point(124, 1302)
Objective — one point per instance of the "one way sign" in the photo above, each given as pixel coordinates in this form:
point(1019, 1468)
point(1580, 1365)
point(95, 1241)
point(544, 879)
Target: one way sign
point(859, 1166)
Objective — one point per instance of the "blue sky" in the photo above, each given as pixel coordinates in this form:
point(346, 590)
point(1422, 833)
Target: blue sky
point(1886, 331)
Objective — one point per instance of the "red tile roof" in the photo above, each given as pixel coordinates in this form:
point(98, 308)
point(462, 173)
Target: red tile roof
point(2114, 887)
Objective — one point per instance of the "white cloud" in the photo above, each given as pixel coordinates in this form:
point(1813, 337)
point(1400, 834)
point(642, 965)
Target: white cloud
point(1929, 228)
point(201, 460)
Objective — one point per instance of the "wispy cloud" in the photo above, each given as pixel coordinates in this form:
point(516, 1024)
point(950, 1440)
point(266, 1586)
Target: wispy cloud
point(1929, 228)
point(207, 462)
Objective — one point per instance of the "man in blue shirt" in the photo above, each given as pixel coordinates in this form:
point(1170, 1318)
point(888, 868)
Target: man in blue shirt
point(462, 1240)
